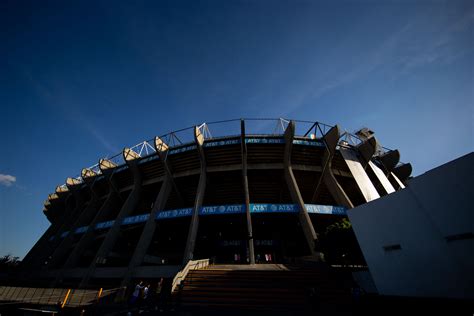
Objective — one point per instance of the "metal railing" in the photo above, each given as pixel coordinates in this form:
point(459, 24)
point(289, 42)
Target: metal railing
point(52, 296)
point(231, 128)
point(191, 265)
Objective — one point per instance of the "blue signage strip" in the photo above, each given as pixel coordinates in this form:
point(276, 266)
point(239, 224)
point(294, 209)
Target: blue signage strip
point(250, 140)
point(265, 140)
point(219, 210)
point(222, 209)
point(182, 149)
point(104, 224)
point(121, 168)
point(81, 230)
point(135, 219)
point(325, 209)
point(174, 213)
point(315, 143)
point(152, 157)
point(222, 143)
point(274, 208)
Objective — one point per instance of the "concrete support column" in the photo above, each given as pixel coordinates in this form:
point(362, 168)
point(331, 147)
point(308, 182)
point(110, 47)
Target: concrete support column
point(201, 189)
point(150, 226)
point(389, 161)
point(303, 215)
point(38, 248)
point(130, 204)
point(403, 172)
point(362, 180)
point(89, 178)
point(74, 206)
point(113, 197)
point(331, 140)
point(246, 192)
point(366, 151)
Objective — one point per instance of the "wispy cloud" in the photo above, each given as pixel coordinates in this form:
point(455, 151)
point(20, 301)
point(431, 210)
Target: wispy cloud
point(416, 44)
point(55, 100)
point(7, 180)
point(100, 137)
point(445, 47)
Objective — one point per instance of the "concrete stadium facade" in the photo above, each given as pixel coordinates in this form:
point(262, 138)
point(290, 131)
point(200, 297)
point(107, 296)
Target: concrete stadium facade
point(243, 197)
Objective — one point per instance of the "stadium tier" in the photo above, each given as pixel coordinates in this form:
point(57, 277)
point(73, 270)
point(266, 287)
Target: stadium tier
point(228, 191)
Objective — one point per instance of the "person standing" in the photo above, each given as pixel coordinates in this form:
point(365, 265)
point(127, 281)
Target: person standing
point(159, 295)
point(136, 293)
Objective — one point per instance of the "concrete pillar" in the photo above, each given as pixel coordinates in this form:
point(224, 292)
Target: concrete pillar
point(150, 226)
point(246, 192)
point(383, 180)
point(73, 210)
point(130, 204)
point(331, 139)
point(89, 178)
point(201, 189)
point(403, 172)
point(53, 199)
point(389, 161)
point(367, 150)
point(362, 180)
point(107, 168)
point(303, 215)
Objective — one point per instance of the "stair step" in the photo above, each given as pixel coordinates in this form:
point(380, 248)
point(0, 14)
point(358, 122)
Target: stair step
point(263, 289)
point(260, 291)
point(242, 306)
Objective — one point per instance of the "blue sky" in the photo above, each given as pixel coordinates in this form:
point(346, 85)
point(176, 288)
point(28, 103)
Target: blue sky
point(80, 80)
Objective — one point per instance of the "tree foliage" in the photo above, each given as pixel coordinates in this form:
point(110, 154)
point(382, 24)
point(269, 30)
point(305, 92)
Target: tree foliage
point(9, 262)
point(341, 225)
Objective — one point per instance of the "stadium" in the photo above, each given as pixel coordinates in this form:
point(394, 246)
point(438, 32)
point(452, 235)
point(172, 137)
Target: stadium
point(242, 191)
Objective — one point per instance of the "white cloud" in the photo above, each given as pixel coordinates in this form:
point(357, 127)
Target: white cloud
point(6, 179)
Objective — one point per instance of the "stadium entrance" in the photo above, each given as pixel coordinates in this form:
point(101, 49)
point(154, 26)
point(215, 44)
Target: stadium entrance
point(278, 238)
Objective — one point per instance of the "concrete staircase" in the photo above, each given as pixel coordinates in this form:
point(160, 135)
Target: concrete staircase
point(265, 287)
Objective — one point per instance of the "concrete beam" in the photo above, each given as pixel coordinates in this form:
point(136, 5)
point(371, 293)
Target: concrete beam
point(88, 237)
point(29, 260)
point(403, 172)
point(362, 180)
point(106, 165)
point(88, 175)
point(246, 192)
point(74, 203)
point(201, 189)
point(382, 178)
point(367, 150)
point(303, 215)
point(130, 204)
point(389, 161)
point(84, 218)
point(53, 198)
point(163, 149)
point(150, 226)
point(331, 140)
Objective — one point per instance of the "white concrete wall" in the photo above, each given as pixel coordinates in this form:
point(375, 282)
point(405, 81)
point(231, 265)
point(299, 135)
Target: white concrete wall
point(434, 205)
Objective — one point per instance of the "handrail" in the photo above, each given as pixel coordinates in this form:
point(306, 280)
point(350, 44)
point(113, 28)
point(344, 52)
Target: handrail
point(191, 265)
point(67, 297)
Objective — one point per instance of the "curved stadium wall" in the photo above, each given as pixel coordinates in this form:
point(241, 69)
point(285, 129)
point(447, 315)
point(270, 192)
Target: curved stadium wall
point(228, 190)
